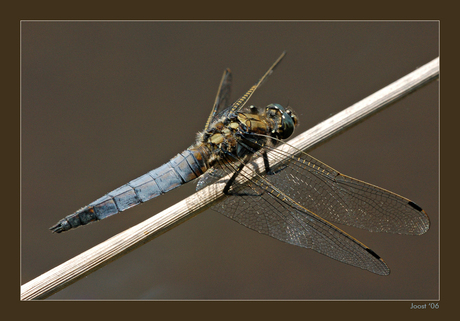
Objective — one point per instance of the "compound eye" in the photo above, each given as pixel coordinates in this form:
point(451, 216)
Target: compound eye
point(293, 116)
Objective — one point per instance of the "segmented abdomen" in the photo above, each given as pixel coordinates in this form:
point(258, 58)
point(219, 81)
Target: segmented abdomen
point(181, 169)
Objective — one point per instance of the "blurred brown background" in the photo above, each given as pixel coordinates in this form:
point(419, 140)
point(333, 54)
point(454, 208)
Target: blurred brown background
point(105, 102)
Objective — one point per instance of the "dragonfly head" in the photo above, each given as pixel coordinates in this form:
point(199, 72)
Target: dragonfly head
point(284, 118)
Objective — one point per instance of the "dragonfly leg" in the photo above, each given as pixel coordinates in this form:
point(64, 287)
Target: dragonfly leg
point(251, 146)
point(232, 179)
point(268, 170)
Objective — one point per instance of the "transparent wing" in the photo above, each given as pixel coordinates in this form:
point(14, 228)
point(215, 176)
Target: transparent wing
point(239, 104)
point(260, 206)
point(297, 203)
point(342, 199)
point(222, 105)
point(222, 100)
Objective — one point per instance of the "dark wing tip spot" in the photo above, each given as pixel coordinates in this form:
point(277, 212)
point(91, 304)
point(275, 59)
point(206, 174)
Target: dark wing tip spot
point(373, 253)
point(418, 208)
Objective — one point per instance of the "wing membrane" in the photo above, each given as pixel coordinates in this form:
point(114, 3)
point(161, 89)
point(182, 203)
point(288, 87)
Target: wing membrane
point(239, 104)
point(299, 201)
point(342, 199)
point(222, 100)
point(260, 206)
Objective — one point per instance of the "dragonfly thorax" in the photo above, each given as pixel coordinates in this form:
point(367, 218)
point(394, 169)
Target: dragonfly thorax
point(254, 126)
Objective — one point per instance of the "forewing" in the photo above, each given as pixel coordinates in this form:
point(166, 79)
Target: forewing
point(342, 199)
point(222, 100)
point(239, 104)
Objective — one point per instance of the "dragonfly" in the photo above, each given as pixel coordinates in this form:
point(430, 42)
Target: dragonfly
point(291, 197)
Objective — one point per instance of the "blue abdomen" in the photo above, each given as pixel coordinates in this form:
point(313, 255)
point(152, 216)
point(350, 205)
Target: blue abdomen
point(181, 169)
